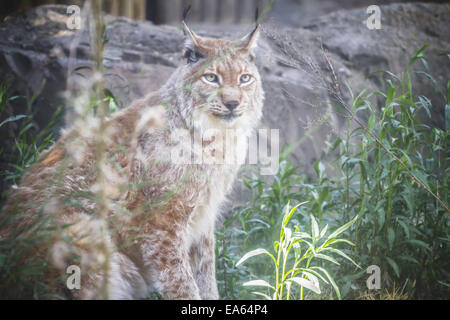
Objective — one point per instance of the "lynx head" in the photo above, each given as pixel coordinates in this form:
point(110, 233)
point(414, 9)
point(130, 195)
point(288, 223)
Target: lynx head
point(221, 84)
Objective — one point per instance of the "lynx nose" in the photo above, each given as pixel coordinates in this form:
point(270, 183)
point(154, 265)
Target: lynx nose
point(231, 105)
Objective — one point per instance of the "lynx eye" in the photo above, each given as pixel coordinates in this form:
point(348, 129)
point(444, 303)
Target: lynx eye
point(245, 78)
point(210, 77)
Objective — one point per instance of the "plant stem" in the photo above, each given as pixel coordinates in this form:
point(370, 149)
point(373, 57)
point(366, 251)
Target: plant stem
point(97, 47)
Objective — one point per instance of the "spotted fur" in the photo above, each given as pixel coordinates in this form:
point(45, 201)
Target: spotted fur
point(160, 231)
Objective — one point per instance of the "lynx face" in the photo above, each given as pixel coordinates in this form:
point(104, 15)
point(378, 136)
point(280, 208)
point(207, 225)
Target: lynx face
point(223, 82)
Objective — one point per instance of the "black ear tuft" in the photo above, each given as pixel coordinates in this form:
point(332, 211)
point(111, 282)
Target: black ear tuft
point(257, 16)
point(186, 11)
point(256, 22)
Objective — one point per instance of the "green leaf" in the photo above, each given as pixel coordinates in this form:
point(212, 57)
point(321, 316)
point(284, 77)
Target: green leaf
point(409, 259)
point(262, 294)
point(381, 218)
point(325, 257)
point(253, 253)
point(319, 168)
point(419, 243)
point(301, 235)
point(419, 54)
point(371, 122)
point(287, 234)
point(288, 214)
point(394, 266)
point(258, 283)
point(314, 227)
point(390, 95)
point(324, 230)
point(307, 284)
point(12, 118)
point(343, 228)
point(336, 144)
point(425, 103)
point(391, 237)
point(444, 284)
point(342, 254)
point(314, 273)
point(332, 241)
point(333, 283)
point(311, 246)
point(297, 250)
point(405, 228)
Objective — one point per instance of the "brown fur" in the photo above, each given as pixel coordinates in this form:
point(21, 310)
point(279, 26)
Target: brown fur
point(160, 229)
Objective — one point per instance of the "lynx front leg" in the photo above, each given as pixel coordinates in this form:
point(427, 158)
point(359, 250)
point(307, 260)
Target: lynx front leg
point(170, 271)
point(203, 266)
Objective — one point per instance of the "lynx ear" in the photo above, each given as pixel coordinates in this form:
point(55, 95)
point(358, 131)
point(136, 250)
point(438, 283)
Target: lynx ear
point(248, 42)
point(191, 45)
point(192, 40)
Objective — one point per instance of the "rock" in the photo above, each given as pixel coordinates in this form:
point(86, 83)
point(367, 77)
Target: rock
point(140, 56)
point(355, 52)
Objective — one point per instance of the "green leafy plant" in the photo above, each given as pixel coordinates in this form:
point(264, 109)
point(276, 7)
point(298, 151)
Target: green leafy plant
point(20, 150)
point(307, 248)
point(389, 170)
point(399, 188)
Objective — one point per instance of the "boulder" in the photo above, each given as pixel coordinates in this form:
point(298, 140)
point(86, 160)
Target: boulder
point(140, 56)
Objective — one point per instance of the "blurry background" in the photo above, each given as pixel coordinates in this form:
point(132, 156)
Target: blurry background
point(289, 12)
point(144, 49)
point(404, 230)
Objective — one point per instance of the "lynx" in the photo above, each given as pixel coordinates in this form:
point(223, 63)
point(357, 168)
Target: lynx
point(160, 227)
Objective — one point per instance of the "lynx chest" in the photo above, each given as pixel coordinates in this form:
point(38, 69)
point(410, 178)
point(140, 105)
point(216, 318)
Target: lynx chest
point(209, 201)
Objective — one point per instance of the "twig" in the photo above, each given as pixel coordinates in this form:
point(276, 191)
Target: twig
point(97, 47)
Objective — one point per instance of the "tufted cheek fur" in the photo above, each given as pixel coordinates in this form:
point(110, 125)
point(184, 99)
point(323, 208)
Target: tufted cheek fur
point(209, 99)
